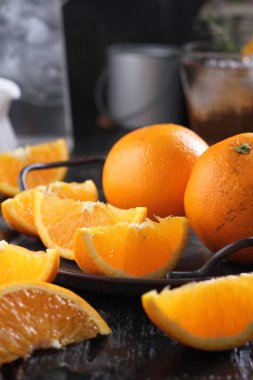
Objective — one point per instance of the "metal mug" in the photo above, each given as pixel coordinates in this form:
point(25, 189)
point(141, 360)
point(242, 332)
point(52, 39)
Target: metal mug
point(144, 85)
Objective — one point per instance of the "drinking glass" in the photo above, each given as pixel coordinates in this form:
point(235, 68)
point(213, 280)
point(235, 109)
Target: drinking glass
point(219, 92)
point(32, 54)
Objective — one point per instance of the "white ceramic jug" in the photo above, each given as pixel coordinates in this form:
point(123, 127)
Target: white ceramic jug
point(8, 92)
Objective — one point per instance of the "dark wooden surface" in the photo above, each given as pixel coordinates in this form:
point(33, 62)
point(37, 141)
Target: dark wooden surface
point(136, 349)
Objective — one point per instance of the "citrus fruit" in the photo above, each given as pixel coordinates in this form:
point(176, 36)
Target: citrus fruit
point(148, 249)
point(12, 162)
point(57, 219)
point(17, 211)
point(208, 315)
point(150, 167)
point(37, 315)
point(218, 197)
point(20, 264)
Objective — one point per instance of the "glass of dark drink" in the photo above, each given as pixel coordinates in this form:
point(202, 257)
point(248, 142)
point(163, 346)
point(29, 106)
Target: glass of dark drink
point(219, 92)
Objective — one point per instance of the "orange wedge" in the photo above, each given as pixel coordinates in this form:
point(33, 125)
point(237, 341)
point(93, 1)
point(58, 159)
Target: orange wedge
point(145, 250)
point(20, 264)
point(11, 164)
point(57, 219)
point(209, 315)
point(17, 211)
point(37, 315)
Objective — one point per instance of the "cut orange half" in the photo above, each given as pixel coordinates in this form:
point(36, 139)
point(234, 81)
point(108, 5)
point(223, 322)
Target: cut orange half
point(18, 213)
point(146, 250)
point(209, 315)
point(20, 264)
point(11, 164)
point(57, 219)
point(37, 315)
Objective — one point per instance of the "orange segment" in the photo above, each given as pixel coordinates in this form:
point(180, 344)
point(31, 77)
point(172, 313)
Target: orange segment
point(148, 249)
point(17, 211)
point(83, 191)
point(20, 264)
point(11, 164)
point(57, 219)
point(37, 315)
point(211, 315)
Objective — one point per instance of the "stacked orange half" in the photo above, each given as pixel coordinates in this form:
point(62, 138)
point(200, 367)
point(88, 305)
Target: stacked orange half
point(18, 211)
point(148, 249)
point(57, 219)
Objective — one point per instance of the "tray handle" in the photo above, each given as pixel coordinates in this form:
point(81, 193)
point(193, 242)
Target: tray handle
point(49, 165)
point(213, 260)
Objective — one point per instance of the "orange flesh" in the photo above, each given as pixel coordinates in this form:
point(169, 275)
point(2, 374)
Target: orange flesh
point(10, 175)
point(45, 153)
point(147, 250)
point(85, 191)
point(58, 219)
point(140, 249)
point(18, 213)
point(18, 263)
point(23, 206)
point(221, 308)
point(62, 217)
point(11, 164)
point(40, 319)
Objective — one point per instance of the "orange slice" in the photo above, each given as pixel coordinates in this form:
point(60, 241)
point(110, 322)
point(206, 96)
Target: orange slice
point(37, 315)
point(57, 219)
point(209, 315)
point(17, 211)
point(11, 164)
point(146, 250)
point(20, 264)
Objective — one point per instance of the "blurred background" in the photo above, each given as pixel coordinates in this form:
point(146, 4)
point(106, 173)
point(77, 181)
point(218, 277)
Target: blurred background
point(61, 52)
point(93, 25)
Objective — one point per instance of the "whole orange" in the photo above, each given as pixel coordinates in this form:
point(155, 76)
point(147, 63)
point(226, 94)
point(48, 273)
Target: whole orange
point(150, 167)
point(219, 195)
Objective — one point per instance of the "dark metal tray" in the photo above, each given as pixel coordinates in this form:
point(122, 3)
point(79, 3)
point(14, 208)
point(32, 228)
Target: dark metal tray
point(194, 256)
